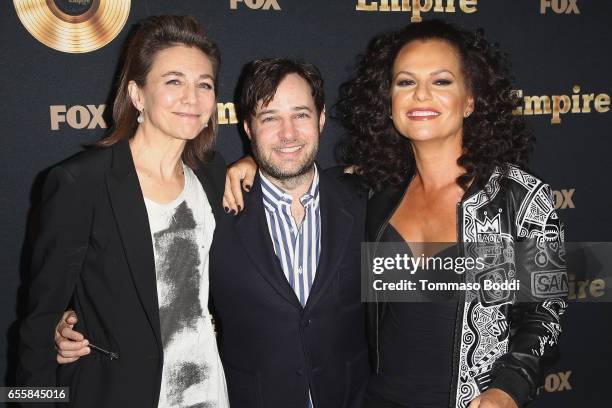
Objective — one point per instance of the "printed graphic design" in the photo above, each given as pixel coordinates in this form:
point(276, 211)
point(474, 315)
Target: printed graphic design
point(180, 310)
point(537, 255)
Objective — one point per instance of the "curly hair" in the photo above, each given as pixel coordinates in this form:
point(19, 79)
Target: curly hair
point(492, 136)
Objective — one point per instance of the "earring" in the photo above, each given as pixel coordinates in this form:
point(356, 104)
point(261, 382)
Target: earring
point(205, 125)
point(467, 114)
point(140, 119)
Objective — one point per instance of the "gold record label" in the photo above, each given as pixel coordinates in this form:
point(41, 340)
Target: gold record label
point(73, 26)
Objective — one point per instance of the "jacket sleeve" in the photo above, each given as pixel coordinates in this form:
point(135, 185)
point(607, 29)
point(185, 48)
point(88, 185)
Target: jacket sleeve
point(535, 316)
point(218, 167)
point(59, 251)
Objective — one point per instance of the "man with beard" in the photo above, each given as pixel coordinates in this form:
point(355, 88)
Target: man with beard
point(284, 272)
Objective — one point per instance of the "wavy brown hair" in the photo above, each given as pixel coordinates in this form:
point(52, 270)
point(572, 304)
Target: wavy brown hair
point(260, 80)
point(152, 35)
point(492, 136)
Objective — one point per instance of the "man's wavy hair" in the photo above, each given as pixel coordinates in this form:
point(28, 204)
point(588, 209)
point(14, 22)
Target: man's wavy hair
point(492, 136)
point(260, 80)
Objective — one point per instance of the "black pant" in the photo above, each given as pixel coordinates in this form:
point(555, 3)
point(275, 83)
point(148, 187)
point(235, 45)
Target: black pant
point(375, 401)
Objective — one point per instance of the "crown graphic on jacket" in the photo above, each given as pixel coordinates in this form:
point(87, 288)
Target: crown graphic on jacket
point(489, 225)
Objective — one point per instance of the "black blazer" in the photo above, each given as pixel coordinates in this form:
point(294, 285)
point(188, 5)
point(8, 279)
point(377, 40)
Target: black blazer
point(272, 348)
point(95, 253)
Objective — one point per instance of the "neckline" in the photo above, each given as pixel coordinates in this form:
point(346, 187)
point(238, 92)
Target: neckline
point(276, 196)
point(180, 198)
point(400, 239)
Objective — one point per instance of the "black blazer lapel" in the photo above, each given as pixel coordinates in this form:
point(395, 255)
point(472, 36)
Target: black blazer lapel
point(381, 206)
point(212, 178)
point(336, 226)
point(133, 224)
point(252, 230)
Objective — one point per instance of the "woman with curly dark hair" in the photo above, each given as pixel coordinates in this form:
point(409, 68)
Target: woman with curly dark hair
point(491, 136)
point(431, 132)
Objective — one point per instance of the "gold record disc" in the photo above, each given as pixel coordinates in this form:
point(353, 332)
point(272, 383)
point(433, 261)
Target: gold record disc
point(73, 26)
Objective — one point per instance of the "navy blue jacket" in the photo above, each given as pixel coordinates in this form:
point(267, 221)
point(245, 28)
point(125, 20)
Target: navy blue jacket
point(273, 349)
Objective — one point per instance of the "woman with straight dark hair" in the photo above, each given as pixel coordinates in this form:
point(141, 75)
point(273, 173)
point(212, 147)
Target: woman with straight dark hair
point(125, 233)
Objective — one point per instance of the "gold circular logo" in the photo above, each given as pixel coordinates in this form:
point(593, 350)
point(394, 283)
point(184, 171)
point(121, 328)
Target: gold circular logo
point(74, 26)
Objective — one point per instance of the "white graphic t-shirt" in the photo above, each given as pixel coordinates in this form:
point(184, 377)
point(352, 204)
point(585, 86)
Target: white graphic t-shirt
point(182, 233)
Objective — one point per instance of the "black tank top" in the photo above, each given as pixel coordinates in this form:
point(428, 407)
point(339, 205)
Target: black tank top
point(416, 348)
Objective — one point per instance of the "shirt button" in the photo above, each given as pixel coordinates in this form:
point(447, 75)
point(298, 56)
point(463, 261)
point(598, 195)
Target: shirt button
point(300, 270)
point(299, 371)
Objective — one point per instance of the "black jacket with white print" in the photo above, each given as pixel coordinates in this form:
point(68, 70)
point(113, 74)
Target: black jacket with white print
point(501, 340)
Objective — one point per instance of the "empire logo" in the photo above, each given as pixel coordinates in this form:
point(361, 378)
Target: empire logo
point(557, 105)
point(557, 282)
point(77, 116)
point(558, 382)
point(585, 289)
point(564, 198)
point(418, 6)
point(73, 26)
point(559, 6)
point(226, 113)
point(256, 4)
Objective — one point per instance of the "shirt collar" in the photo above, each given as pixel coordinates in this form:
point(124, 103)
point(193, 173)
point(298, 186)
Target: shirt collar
point(274, 197)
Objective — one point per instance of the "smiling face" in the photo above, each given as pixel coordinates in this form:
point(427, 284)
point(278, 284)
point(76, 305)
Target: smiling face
point(178, 97)
point(429, 94)
point(285, 133)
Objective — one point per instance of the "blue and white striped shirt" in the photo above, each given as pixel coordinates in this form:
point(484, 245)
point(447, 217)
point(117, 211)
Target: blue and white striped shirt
point(297, 246)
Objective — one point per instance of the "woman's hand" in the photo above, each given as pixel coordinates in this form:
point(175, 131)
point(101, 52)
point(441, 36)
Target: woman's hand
point(70, 344)
point(493, 398)
point(352, 169)
point(240, 175)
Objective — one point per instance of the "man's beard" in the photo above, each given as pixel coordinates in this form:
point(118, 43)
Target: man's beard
point(269, 169)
